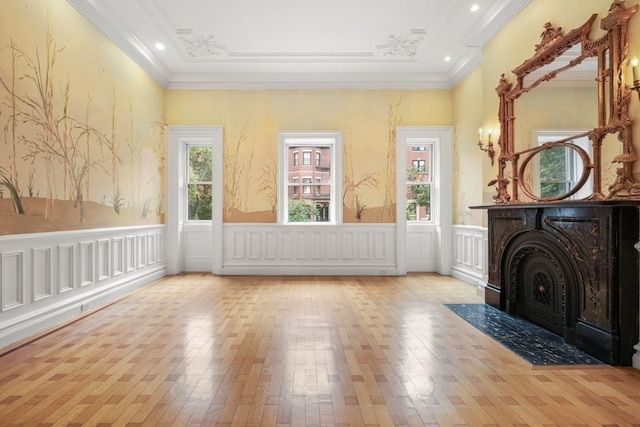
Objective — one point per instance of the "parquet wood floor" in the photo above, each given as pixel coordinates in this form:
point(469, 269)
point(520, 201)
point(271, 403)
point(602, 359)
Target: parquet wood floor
point(201, 350)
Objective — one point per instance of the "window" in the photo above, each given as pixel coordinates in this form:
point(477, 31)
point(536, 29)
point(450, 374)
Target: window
point(199, 182)
point(418, 165)
point(560, 167)
point(319, 205)
point(306, 158)
point(306, 189)
point(419, 180)
point(295, 158)
point(296, 181)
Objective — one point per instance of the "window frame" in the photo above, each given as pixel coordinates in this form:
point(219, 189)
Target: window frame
point(188, 182)
point(428, 169)
point(331, 139)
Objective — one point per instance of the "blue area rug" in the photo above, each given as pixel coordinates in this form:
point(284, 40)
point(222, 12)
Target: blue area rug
point(531, 342)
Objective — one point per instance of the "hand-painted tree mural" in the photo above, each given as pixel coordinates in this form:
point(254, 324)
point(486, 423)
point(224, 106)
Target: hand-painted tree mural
point(394, 120)
point(69, 152)
point(268, 183)
point(352, 198)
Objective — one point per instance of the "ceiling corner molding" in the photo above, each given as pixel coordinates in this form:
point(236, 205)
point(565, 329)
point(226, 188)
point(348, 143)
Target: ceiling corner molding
point(102, 18)
point(493, 21)
point(463, 68)
point(263, 81)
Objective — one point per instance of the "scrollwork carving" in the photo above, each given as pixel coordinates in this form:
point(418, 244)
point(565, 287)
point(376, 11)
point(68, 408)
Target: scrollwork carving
point(611, 51)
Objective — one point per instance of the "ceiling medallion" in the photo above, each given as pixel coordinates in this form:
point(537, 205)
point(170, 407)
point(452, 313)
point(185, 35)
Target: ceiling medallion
point(406, 45)
point(198, 46)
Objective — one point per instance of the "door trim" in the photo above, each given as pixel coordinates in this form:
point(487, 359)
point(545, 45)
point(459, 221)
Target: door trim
point(177, 137)
point(443, 186)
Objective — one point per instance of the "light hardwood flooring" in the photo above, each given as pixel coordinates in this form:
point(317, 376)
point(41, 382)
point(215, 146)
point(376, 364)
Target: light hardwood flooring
point(201, 350)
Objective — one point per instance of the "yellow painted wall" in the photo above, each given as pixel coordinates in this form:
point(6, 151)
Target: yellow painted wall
point(100, 118)
point(252, 119)
point(468, 160)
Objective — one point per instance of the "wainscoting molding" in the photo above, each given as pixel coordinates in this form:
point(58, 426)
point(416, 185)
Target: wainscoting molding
point(49, 278)
point(470, 255)
point(347, 249)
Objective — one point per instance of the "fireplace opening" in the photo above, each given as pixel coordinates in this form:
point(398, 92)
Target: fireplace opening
point(541, 283)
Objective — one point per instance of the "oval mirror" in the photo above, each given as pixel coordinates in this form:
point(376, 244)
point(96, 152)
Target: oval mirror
point(555, 171)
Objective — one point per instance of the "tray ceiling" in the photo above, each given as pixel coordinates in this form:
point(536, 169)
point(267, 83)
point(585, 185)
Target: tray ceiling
point(300, 43)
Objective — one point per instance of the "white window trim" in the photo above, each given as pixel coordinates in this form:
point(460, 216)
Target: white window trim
point(441, 191)
point(177, 139)
point(320, 137)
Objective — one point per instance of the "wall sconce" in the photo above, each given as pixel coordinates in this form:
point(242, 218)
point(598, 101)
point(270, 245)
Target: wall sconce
point(489, 147)
point(634, 73)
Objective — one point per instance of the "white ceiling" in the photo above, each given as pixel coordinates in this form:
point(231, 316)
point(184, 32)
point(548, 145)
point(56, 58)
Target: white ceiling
point(302, 43)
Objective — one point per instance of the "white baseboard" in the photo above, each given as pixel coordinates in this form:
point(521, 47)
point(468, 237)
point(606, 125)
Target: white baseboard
point(308, 270)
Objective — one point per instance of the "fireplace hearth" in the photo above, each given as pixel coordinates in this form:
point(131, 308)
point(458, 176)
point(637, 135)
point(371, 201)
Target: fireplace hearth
point(570, 267)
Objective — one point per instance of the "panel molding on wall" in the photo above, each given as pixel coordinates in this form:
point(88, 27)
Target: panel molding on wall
point(347, 249)
point(470, 254)
point(49, 278)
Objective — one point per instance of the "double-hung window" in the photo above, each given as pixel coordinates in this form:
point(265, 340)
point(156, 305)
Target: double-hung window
point(318, 200)
point(199, 182)
point(419, 152)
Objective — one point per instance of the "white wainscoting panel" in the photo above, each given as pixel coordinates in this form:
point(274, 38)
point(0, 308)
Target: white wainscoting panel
point(347, 249)
point(12, 280)
point(422, 247)
point(470, 254)
point(117, 256)
point(86, 263)
point(41, 276)
point(104, 259)
point(66, 267)
point(197, 240)
point(49, 278)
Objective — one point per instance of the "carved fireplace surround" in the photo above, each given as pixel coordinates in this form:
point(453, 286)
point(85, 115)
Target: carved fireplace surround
point(571, 268)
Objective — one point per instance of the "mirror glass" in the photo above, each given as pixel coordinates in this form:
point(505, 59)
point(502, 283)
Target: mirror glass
point(553, 173)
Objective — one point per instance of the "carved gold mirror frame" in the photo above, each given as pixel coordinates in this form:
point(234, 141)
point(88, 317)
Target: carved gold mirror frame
point(611, 52)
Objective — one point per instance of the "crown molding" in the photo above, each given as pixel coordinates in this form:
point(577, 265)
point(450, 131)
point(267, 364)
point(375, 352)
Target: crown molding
point(499, 15)
point(309, 81)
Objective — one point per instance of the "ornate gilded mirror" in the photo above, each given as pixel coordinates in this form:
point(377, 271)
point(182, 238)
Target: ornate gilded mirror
point(571, 165)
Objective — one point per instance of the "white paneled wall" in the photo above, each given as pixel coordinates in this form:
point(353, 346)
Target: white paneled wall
point(422, 247)
point(470, 254)
point(48, 278)
point(347, 249)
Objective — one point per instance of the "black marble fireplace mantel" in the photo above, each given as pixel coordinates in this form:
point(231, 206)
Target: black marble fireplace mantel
point(570, 267)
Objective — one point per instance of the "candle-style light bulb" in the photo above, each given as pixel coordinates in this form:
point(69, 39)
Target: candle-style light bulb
point(634, 69)
point(490, 132)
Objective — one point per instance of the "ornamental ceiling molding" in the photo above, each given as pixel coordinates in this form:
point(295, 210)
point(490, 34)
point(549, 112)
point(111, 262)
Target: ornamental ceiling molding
point(199, 46)
point(402, 45)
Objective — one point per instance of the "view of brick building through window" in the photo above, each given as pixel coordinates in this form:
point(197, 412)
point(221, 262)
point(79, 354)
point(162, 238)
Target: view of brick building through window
point(419, 182)
point(309, 178)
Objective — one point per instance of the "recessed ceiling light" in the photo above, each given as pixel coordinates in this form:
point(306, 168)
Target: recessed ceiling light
point(447, 58)
point(160, 46)
point(475, 7)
